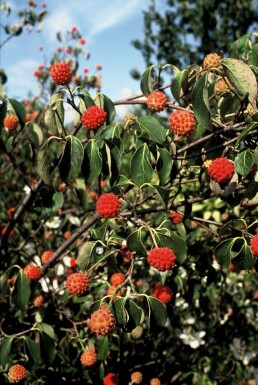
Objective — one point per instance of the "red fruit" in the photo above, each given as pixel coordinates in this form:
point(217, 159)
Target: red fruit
point(16, 373)
point(162, 293)
point(157, 101)
point(111, 289)
point(11, 122)
point(254, 245)
point(211, 60)
point(32, 272)
point(37, 73)
point(77, 283)
point(93, 118)
point(155, 381)
point(46, 255)
point(162, 258)
point(182, 123)
point(110, 379)
point(136, 377)
point(117, 278)
point(38, 300)
point(73, 262)
point(98, 67)
point(221, 170)
point(102, 321)
point(82, 41)
point(233, 268)
point(89, 357)
point(176, 217)
point(61, 73)
point(108, 205)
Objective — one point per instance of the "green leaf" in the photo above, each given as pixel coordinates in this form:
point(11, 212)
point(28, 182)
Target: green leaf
point(92, 162)
point(158, 313)
point(103, 348)
point(134, 313)
point(5, 348)
point(4, 283)
point(85, 96)
point(48, 349)
point(146, 83)
point(134, 243)
point(71, 161)
point(179, 84)
point(22, 291)
point(163, 194)
point(164, 165)
point(241, 77)
point(43, 164)
point(224, 251)
point(19, 110)
point(47, 329)
point(110, 109)
point(253, 60)
point(54, 115)
point(240, 48)
point(86, 255)
point(256, 155)
point(251, 194)
point(153, 128)
point(244, 162)
point(140, 167)
point(244, 259)
point(118, 308)
point(200, 101)
point(174, 242)
point(34, 349)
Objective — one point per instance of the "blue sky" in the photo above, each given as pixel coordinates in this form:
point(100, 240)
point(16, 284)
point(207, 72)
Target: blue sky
point(108, 27)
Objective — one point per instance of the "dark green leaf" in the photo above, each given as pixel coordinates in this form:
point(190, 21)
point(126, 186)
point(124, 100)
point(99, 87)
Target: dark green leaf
point(22, 291)
point(135, 243)
point(48, 349)
point(253, 60)
point(4, 283)
point(244, 162)
point(5, 348)
point(146, 83)
point(164, 165)
point(71, 161)
point(224, 251)
point(155, 130)
point(92, 162)
point(141, 169)
point(163, 194)
point(134, 314)
point(19, 110)
point(250, 127)
point(43, 164)
point(158, 313)
point(251, 194)
point(244, 258)
point(118, 308)
point(110, 109)
point(85, 96)
point(179, 84)
point(103, 348)
point(200, 102)
point(34, 349)
point(87, 254)
point(47, 329)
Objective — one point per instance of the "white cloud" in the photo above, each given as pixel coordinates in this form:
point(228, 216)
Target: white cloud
point(111, 14)
point(58, 20)
point(21, 74)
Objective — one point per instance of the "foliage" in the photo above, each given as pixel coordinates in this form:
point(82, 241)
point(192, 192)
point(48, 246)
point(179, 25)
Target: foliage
point(207, 333)
point(187, 31)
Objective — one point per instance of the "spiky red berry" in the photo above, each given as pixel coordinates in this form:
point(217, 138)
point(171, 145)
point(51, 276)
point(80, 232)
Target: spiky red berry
point(162, 258)
point(111, 289)
point(11, 122)
point(254, 245)
point(155, 381)
point(102, 321)
point(46, 255)
point(93, 118)
point(77, 283)
point(136, 377)
point(61, 73)
point(162, 293)
point(110, 379)
point(157, 101)
point(117, 278)
point(38, 300)
point(16, 373)
point(182, 123)
point(221, 170)
point(176, 217)
point(108, 205)
point(89, 357)
point(32, 272)
point(211, 60)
